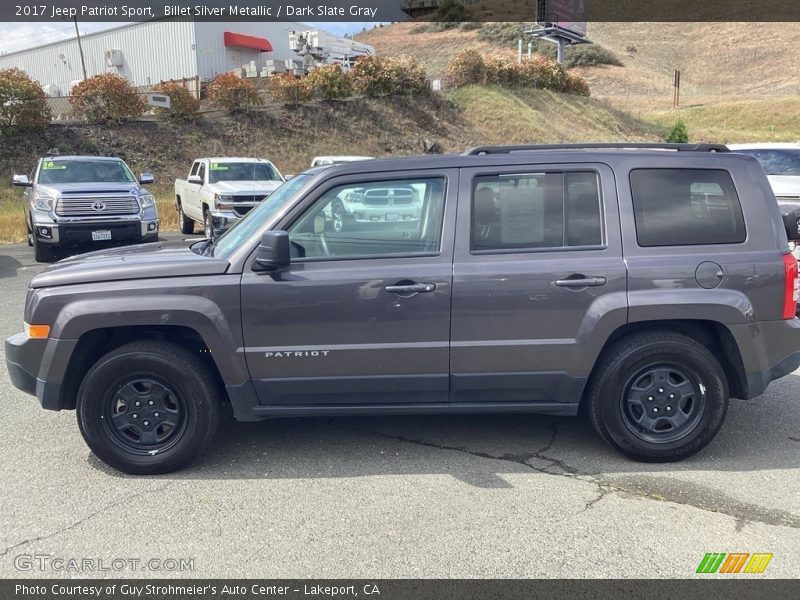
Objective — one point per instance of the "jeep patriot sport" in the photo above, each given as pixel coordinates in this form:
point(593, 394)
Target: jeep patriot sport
point(647, 283)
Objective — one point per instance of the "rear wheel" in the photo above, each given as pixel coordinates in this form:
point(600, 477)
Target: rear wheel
point(41, 252)
point(658, 397)
point(148, 407)
point(186, 224)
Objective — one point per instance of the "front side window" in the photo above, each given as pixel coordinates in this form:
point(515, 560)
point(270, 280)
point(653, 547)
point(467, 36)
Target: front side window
point(372, 219)
point(686, 207)
point(536, 211)
point(54, 171)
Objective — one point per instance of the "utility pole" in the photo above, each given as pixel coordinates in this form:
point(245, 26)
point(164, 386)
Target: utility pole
point(80, 49)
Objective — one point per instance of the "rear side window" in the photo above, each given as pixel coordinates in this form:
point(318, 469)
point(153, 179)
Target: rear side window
point(536, 211)
point(686, 207)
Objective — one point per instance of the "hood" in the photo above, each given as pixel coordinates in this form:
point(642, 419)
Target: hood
point(92, 188)
point(145, 261)
point(785, 185)
point(247, 187)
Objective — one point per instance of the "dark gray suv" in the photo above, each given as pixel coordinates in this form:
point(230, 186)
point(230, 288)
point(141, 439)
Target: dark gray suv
point(648, 284)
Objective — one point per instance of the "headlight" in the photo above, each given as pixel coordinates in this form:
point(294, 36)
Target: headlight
point(146, 200)
point(43, 202)
point(223, 202)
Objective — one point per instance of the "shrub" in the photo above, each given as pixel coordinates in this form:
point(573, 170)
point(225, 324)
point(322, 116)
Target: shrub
point(183, 105)
point(590, 55)
point(23, 104)
point(470, 68)
point(502, 70)
point(232, 93)
point(289, 89)
point(575, 84)
point(329, 82)
point(107, 98)
point(384, 76)
point(465, 68)
point(678, 134)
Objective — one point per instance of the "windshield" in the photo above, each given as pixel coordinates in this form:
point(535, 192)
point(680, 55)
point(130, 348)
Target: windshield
point(85, 171)
point(777, 162)
point(244, 171)
point(255, 219)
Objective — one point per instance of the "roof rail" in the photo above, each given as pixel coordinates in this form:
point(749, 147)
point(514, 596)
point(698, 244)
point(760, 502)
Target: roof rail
point(597, 146)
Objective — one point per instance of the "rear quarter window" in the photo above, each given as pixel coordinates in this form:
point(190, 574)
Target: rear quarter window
point(686, 207)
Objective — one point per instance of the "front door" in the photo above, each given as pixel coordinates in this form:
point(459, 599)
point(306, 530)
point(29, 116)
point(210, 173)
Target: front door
point(362, 315)
point(539, 283)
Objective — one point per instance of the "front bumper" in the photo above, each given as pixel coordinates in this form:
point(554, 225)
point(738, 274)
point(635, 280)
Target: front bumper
point(79, 231)
point(383, 213)
point(37, 367)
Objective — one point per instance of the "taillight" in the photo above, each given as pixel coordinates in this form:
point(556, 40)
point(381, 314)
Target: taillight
point(791, 286)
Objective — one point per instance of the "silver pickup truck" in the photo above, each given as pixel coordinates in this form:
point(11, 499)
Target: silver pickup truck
point(73, 200)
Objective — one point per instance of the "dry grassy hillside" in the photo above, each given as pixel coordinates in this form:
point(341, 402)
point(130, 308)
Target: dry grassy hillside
point(716, 59)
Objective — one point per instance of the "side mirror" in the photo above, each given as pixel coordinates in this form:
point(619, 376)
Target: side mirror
point(273, 253)
point(21, 181)
point(791, 222)
point(195, 179)
point(146, 178)
point(287, 177)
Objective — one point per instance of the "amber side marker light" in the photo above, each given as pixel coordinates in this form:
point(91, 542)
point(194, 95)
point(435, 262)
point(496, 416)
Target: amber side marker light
point(37, 332)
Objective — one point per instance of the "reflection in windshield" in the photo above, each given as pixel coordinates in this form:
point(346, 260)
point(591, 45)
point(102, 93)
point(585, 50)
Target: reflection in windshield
point(255, 219)
point(228, 171)
point(777, 162)
point(84, 171)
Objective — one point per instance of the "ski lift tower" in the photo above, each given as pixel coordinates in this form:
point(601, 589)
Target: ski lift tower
point(562, 22)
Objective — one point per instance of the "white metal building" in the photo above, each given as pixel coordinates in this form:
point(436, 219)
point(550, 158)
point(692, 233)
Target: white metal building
point(150, 52)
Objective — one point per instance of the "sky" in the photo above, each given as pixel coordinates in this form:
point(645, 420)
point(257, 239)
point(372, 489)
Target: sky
point(18, 36)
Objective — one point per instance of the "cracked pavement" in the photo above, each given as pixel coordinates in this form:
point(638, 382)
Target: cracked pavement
point(448, 496)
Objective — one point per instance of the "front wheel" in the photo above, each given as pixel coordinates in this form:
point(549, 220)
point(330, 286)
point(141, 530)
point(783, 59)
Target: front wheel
point(339, 217)
point(186, 224)
point(207, 229)
point(148, 407)
point(658, 397)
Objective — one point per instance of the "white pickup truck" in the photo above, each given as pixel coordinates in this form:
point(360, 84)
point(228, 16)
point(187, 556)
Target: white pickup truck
point(223, 190)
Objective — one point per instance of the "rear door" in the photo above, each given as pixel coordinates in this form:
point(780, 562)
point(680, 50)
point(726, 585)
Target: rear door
point(362, 315)
point(539, 283)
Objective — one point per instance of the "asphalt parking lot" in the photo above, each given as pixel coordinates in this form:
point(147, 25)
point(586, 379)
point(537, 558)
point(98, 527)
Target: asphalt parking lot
point(496, 496)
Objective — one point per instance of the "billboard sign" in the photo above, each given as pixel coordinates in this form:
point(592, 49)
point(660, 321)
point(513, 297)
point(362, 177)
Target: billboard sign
point(567, 15)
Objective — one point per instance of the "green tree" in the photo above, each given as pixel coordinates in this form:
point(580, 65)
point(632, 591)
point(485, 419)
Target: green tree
point(678, 134)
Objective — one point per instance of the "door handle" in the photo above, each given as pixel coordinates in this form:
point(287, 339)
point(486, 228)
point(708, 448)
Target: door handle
point(579, 282)
point(411, 288)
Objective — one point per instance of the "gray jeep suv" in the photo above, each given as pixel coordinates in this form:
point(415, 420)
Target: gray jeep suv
point(648, 284)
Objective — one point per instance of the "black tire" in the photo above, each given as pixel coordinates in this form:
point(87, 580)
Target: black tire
point(339, 217)
point(207, 230)
point(183, 419)
point(42, 252)
point(186, 224)
point(658, 397)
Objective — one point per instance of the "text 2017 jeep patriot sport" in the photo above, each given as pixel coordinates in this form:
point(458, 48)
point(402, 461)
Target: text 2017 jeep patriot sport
point(648, 284)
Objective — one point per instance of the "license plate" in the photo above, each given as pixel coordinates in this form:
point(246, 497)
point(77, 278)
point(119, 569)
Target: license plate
point(101, 236)
point(392, 217)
